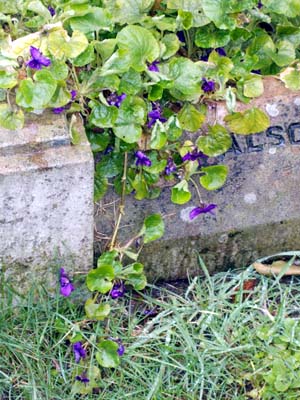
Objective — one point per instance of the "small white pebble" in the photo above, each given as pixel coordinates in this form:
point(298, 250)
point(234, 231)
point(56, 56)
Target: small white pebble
point(297, 101)
point(272, 150)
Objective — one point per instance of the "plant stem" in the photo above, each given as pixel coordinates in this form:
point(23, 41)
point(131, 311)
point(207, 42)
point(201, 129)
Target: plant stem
point(122, 205)
point(197, 189)
point(189, 42)
point(8, 98)
point(75, 77)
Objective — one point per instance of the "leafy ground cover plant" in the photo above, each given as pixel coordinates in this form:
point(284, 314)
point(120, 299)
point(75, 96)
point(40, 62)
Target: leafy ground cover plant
point(234, 335)
point(142, 73)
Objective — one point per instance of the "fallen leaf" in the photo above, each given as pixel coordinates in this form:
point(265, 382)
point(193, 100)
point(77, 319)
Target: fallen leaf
point(276, 268)
point(248, 286)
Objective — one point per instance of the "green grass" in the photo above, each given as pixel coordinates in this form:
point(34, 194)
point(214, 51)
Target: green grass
point(208, 340)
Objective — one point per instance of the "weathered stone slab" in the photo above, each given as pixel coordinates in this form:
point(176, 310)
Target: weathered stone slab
point(46, 200)
point(258, 208)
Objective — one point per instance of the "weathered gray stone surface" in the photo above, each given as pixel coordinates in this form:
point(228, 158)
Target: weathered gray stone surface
point(258, 210)
point(46, 200)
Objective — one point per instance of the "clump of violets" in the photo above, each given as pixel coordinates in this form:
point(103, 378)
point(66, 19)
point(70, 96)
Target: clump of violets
point(142, 159)
point(79, 351)
point(59, 110)
point(208, 208)
point(82, 378)
point(208, 85)
point(38, 60)
point(170, 167)
point(155, 115)
point(153, 66)
point(116, 100)
point(66, 287)
point(118, 290)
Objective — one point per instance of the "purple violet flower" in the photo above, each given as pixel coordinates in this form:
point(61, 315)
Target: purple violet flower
point(202, 210)
point(208, 86)
point(150, 312)
point(259, 4)
point(66, 287)
point(51, 11)
point(171, 167)
point(108, 149)
point(256, 71)
point(153, 66)
point(115, 100)
point(205, 54)
point(121, 349)
point(73, 94)
point(38, 60)
point(58, 110)
point(117, 290)
point(221, 51)
point(142, 159)
point(155, 115)
point(180, 35)
point(194, 155)
point(79, 351)
point(82, 378)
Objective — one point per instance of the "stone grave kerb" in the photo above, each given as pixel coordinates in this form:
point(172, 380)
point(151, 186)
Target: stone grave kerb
point(46, 200)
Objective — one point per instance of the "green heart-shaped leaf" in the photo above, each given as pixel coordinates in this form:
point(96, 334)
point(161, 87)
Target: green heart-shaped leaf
point(96, 311)
point(180, 193)
point(38, 93)
point(100, 279)
point(158, 136)
point(10, 119)
point(253, 86)
point(140, 45)
point(61, 45)
point(190, 118)
point(107, 355)
point(138, 281)
point(8, 79)
point(291, 78)
point(104, 116)
point(100, 186)
point(210, 37)
point(215, 176)
point(252, 120)
point(153, 228)
point(170, 44)
point(216, 142)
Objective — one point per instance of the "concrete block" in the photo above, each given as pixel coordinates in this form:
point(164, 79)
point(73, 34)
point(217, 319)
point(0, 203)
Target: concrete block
point(258, 210)
point(46, 200)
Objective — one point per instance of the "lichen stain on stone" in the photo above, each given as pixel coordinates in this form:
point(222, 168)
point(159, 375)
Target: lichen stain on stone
point(250, 198)
point(39, 160)
point(272, 110)
point(185, 214)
